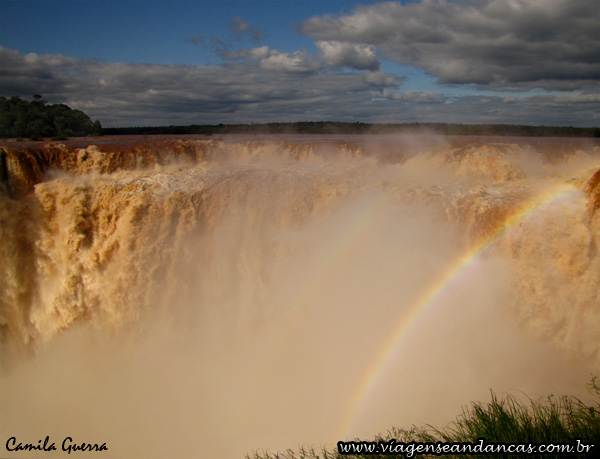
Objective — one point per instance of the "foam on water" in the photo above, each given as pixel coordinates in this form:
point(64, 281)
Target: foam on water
point(205, 298)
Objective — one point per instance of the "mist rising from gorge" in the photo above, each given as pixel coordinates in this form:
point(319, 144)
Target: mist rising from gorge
point(208, 297)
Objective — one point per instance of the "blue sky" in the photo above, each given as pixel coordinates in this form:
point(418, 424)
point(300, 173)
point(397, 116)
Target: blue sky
point(134, 62)
point(150, 31)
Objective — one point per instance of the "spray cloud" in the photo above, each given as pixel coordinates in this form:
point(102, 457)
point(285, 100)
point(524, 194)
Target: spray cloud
point(207, 298)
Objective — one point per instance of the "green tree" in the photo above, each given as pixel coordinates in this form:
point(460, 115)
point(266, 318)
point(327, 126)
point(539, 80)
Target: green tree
point(37, 119)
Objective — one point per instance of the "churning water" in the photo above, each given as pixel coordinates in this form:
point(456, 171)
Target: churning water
point(210, 297)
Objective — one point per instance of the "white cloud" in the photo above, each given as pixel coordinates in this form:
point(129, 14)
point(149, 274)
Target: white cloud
point(261, 52)
point(549, 44)
point(342, 54)
point(264, 85)
point(382, 79)
point(273, 60)
point(267, 85)
point(296, 62)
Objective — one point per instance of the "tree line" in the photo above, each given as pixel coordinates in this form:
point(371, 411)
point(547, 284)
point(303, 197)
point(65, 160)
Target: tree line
point(334, 127)
point(37, 119)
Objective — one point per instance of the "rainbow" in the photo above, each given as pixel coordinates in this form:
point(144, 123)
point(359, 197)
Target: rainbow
point(436, 289)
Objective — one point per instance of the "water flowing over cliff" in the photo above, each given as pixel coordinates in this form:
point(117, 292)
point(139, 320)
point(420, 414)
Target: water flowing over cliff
point(206, 297)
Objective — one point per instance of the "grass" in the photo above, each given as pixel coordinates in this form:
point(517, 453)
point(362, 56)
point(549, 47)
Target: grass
point(553, 419)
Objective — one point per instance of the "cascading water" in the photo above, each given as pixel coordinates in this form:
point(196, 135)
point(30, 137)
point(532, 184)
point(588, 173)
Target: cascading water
point(205, 298)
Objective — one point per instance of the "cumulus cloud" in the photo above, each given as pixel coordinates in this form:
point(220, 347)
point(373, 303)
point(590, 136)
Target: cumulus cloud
point(382, 79)
point(296, 62)
point(353, 55)
point(264, 85)
point(273, 60)
point(550, 44)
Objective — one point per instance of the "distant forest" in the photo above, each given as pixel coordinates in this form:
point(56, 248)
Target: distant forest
point(36, 119)
point(334, 127)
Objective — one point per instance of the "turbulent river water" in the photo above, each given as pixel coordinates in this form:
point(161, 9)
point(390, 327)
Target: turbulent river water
point(208, 297)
